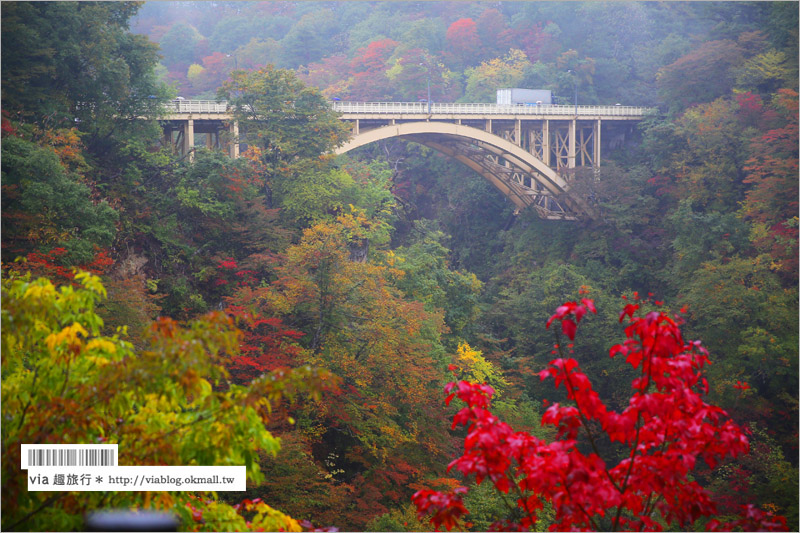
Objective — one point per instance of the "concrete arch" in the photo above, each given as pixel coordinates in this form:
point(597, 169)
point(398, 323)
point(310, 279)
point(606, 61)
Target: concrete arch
point(450, 139)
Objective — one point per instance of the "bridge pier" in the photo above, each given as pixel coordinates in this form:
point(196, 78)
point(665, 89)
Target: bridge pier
point(180, 135)
point(546, 143)
point(188, 139)
point(166, 140)
point(233, 142)
point(571, 146)
point(597, 142)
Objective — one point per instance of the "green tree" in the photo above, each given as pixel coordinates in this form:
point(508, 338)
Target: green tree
point(63, 382)
point(526, 295)
point(291, 127)
point(484, 80)
point(215, 210)
point(46, 206)
point(700, 236)
point(230, 32)
point(375, 25)
point(427, 34)
point(747, 305)
point(429, 279)
point(68, 63)
point(178, 44)
point(283, 117)
point(709, 167)
point(767, 72)
point(311, 38)
point(257, 53)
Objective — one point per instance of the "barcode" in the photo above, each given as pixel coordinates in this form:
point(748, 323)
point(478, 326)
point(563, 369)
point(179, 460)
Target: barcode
point(44, 455)
point(60, 457)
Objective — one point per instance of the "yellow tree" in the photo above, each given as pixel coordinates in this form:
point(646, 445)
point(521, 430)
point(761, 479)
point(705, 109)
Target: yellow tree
point(484, 80)
point(170, 404)
point(359, 327)
point(376, 429)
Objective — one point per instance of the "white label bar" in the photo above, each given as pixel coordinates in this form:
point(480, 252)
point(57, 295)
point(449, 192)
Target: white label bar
point(139, 478)
point(45, 455)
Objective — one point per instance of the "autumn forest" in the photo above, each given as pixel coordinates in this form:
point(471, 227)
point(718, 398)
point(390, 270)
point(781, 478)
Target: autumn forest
point(381, 337)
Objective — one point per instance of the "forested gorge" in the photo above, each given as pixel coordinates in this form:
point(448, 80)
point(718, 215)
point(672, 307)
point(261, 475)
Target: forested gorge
point(322, 319)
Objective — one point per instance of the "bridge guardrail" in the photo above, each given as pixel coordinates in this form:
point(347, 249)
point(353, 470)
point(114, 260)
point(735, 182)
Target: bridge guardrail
point(196, 106)
point(416, 108)
point(486, 109)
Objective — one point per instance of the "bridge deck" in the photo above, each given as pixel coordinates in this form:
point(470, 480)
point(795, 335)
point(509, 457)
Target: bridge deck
point(178, 109)
point(490, 110)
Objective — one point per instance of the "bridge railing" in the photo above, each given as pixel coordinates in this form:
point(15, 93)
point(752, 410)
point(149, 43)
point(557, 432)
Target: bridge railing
point(417, 108)
point(196, 106)
point(486, 109)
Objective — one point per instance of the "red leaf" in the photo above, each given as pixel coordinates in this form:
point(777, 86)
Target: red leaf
point(742, 385)
point(628, 310)
point(569, 327)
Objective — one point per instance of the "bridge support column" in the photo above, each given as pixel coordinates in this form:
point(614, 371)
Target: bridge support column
point(571, 146)
point(518, 132)
point(188, 138)
point(168, 136)
point(597, 125)
point(233, 148)
point(546, 142)
point(489, 125)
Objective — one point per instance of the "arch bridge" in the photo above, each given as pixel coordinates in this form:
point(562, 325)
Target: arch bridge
point(528, 152)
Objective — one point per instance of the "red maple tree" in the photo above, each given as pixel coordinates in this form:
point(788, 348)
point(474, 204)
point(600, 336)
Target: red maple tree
point(666, 428)
point(463, 42)
point(369, 71)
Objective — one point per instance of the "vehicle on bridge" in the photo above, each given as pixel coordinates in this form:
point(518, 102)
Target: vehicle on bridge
point(524, 97)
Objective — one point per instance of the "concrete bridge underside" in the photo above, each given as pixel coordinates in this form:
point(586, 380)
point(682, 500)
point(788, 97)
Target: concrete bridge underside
point(521, 176)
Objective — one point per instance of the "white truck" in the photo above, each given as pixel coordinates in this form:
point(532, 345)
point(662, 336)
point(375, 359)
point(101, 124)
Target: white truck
point(524, 97)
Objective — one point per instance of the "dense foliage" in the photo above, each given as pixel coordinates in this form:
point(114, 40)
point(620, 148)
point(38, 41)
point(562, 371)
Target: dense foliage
point(380, 270)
